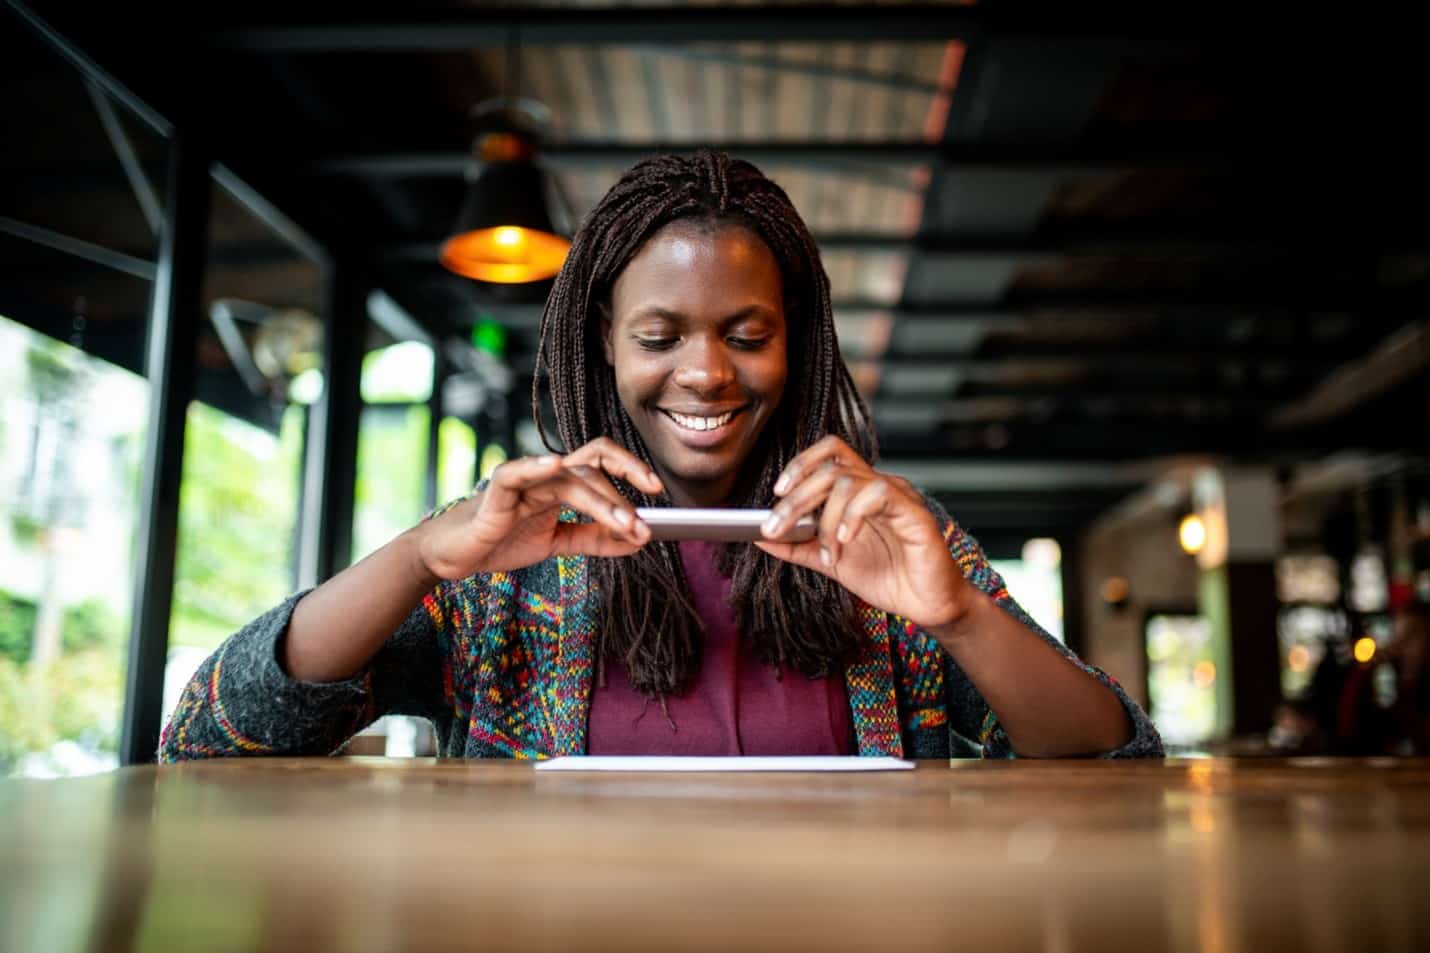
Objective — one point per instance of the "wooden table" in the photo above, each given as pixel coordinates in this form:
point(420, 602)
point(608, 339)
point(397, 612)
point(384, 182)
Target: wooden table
point(371, 854)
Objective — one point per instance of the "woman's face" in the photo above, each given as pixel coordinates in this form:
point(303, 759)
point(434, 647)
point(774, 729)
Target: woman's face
point(696, 335)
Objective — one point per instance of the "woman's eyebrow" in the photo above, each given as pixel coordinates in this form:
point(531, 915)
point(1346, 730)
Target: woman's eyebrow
point(658, 313)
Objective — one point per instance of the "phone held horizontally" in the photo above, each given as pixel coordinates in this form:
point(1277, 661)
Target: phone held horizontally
point(717, 524)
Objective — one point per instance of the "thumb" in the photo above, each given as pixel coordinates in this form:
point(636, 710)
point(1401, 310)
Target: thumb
point(801, 554)
point(590, 539)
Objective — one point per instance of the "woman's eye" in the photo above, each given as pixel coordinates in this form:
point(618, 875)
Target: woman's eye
point(656, 344)
point(748, 344)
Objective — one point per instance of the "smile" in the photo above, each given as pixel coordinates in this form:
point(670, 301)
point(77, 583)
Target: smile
point(700, 424)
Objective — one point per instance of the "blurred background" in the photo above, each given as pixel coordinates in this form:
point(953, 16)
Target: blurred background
point(1141, 298)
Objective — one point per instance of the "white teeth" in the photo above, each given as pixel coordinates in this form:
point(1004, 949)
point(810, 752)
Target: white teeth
point(701, 423)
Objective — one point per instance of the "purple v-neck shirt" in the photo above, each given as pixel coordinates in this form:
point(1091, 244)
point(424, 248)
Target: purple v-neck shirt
point(735, 706)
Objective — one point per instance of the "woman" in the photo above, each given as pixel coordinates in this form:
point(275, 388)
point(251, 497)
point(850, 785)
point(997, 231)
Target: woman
point(692, 361)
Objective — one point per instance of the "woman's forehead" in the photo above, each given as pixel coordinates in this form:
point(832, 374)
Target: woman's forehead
point(684, 259)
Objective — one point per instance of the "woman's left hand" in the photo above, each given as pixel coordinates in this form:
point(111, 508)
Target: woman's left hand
point(875, 537)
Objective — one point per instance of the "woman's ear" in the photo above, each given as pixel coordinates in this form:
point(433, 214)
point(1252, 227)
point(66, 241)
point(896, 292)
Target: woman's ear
point(605, 311)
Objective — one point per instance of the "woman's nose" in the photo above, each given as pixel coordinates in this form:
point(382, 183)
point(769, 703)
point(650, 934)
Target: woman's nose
point(705, 367)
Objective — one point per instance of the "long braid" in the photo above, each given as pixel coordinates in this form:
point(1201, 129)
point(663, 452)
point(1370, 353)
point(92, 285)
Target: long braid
point(796, 617)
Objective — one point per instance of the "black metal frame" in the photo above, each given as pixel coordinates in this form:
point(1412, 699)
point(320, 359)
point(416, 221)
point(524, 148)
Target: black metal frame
point(171, 371)
point(172, 333)
point(330, 464)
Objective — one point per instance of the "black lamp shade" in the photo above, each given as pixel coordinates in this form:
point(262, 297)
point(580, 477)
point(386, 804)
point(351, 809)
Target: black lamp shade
point(504, 233)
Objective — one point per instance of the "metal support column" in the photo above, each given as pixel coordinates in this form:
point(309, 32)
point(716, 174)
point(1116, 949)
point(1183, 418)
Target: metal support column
point(174, 315)
point(434, 423)
point(331, 464)
point(1072, 570)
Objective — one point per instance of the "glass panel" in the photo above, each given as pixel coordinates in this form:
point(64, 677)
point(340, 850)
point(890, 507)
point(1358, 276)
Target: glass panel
point(1308, 579)
point(392, 441)
point(456, 459)
point(390, 495)
point(259, 351)
point(1181, 678)
point(71, 439)
point(391, 473)
point(80, 215)
point(1309, 636)
point(1036, 583)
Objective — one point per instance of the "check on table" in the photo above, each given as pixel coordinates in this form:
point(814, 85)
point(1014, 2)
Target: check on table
point(374, 854)
point(726, 764)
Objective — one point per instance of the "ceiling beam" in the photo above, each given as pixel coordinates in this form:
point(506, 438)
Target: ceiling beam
point(1109, 244)
point(1038, 159)
point(1130, 363)
point(1173, 307)
point(478, 26)
point(1076, 408)
point(971, 474)
point(1125, 439)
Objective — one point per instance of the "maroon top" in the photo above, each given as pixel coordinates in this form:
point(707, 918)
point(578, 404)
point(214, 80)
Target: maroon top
point(735, 706)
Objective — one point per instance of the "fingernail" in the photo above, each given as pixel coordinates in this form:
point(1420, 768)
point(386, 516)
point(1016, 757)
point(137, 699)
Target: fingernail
point(842, 533)
point(825, 557)
point(548, 458)
point(623, 516)
point(772, 525)
point(782, 483)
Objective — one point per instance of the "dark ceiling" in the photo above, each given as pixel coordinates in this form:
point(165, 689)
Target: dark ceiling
point(1057, 237)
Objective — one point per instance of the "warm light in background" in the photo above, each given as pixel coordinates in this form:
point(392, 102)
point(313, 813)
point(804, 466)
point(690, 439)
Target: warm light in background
point(1192, 534)
point(1365, 649)
point(1299, 658)
point(505, 254)
point(1204, 674)
point(1115, 590)
point(504, 232)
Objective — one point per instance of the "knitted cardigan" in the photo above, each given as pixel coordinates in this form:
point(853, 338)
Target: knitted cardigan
point(502, 663)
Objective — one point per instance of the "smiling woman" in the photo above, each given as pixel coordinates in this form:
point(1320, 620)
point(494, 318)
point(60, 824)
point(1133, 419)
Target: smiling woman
point(689, 348)
point(707, 295)
point(699, 384)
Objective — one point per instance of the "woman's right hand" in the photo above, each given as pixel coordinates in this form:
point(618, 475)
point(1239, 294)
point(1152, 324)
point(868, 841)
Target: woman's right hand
point(515, 521)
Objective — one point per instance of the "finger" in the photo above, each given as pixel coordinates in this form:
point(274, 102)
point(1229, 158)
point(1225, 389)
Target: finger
point(598, 481)
point(804, 497)
point(872, 500)
point(511, 479)
point(605, 454)
point(801, 554)
point(826, 449)
point(592, 539)
point(592, 495)
point(831, 517)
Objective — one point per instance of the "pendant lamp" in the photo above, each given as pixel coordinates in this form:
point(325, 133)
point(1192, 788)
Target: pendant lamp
point(504, 233)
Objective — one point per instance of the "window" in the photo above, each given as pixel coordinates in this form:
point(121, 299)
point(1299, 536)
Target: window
point(390, 495)
point(71, 438)
point(1181, 677)
point(258, 356)
point(1035, 582)
point(79, 223)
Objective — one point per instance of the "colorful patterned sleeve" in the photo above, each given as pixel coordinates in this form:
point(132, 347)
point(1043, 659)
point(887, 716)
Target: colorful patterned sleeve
point(240, 702)
point(970, 718)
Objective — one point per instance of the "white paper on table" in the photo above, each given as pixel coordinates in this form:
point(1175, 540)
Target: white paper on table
point(604, 763)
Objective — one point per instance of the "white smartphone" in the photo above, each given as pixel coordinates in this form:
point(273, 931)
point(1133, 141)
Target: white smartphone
point(730, 526)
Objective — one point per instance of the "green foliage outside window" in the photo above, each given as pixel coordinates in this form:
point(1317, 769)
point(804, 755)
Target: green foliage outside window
point(238, 505)
point(70, 699)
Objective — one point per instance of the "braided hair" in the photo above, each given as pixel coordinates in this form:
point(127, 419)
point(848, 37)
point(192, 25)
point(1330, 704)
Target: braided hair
point(795, 617)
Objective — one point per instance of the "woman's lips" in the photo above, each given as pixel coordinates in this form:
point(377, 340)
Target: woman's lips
point(691, 436)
